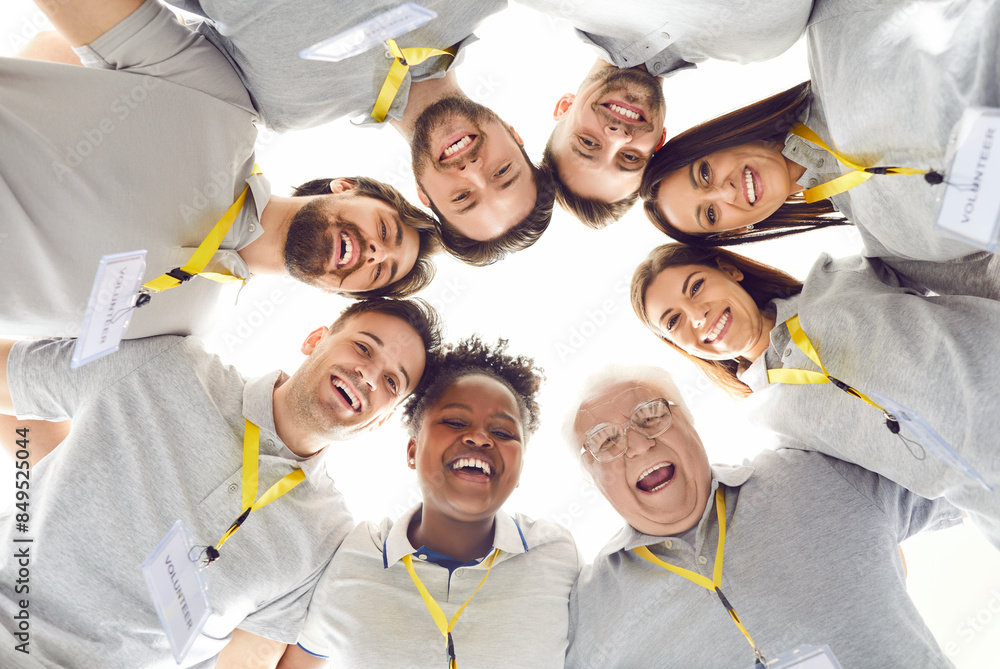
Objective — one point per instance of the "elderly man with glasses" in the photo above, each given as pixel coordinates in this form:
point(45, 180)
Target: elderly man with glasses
point(794, 552)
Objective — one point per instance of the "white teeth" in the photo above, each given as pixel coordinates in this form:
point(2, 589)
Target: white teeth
point(460, 144)
point(748, 177)
point(718, 327)
point(625, 112)
point(348, 249)
point(653, 469)
point(355, 402)
point(472, 462)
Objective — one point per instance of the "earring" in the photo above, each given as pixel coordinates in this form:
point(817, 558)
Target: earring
point(750, 228)
point(412, 462)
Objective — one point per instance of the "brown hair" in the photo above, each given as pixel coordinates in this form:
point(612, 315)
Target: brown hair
point(591, 212)
point(519, 237)
point(423, 268)
point(762, 282)
point(767, 120)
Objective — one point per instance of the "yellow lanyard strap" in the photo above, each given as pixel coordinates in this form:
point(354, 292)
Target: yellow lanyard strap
point(715, 584)
point(403, 59)
point(859, 173)
point(200, 258)
point(805, 376)
point(437, 614)
point(251, 455)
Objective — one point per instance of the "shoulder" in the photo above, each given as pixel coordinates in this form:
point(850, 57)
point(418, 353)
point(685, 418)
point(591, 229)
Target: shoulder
point(549, 541)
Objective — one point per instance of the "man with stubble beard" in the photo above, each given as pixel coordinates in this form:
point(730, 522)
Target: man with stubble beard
point(609, 130)
point(490, 199)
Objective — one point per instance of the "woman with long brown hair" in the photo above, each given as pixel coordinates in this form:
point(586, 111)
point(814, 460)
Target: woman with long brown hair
point(882, 96)
point(890, 358)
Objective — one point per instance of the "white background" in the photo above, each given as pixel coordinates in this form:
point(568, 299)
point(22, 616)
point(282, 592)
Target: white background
point(564, 301)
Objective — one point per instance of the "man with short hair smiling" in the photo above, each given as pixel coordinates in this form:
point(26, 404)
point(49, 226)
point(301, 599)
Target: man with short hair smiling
point(470, 166)
point(609, 128)
point(159, 434)
point(786, 559)
point(152, 157)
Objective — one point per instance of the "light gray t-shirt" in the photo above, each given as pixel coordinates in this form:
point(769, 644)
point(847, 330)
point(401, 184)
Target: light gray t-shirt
point(811, 557)
point(367, 612)
point(151, 156)
point(670, 35)
point(934, 355)
point(263, 38)
point(890, 80)
point(157, 436)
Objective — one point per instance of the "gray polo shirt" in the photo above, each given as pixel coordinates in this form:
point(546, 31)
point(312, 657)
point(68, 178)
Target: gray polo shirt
point(934, 355)
point(366, 611)
point(671, 35)
point(811, 557)
point(263, 38)
point(890, 79)
point(151, 157)
point(157, 436)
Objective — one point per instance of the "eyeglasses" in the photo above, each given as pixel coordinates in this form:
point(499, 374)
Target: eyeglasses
point(608, 441)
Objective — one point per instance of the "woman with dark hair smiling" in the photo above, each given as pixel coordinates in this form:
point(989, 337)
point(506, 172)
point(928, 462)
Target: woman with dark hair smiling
point(885, 97)
point(892, 360)
point(455, 574)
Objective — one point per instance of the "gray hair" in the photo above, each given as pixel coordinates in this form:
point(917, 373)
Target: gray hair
point(655, 378)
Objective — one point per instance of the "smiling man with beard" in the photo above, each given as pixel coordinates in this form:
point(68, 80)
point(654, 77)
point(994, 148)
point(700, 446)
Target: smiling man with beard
point(596, 155)
point(164, 431)
point(153, 145)
point(490, 198)
point(774, 540)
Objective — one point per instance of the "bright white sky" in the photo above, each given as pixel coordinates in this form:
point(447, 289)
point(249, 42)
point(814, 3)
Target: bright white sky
point(564, 301)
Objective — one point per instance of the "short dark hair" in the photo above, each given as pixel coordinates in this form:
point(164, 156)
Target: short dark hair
point(762, 282)
point(430, 243)
point(522, 235)
point(415, 312)
point(591, 212)
point(767, 120)
point(472, 356)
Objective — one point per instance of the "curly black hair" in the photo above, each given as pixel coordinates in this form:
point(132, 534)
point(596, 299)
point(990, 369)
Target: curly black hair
point(472, 356)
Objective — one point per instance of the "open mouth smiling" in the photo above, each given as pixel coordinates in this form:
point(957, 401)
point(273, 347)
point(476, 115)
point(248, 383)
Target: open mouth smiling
point(721, 326)
point(471, 467)
point(624, 112)
point(751, 186)
point(456, 146)
point(656, 478)
point(346, 393)
point(347, 249)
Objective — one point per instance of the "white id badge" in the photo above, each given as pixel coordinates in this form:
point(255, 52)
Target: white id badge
point(178, 591)
point(970, 205)
point(917, 428)
point(109, 310)
point(805, 657)
point(374, 31)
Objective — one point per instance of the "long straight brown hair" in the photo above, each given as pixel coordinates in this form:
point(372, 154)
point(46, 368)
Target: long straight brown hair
point(767, 120)
point(762, 282)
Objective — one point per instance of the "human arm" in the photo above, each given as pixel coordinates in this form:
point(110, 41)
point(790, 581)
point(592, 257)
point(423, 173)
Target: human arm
point(6, 406)
point(296, 658)
point(249, 651)
point(83, 21)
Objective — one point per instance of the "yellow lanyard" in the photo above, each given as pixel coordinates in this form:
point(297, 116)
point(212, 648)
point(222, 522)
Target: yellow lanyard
point(437, 614)
point(251, 455)
point(807, 377)
point(715, 584)
point(403, 59)
point(859, 173)
point(203, 254)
